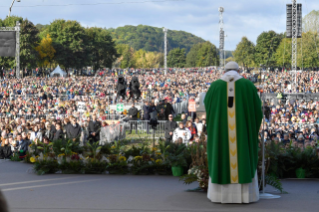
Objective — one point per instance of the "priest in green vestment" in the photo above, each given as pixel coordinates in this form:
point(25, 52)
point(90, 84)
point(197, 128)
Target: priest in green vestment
point(234, 115)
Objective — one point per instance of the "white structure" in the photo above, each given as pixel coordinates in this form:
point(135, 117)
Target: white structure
point(221, 37)
point(58, 72)
point(294, 32)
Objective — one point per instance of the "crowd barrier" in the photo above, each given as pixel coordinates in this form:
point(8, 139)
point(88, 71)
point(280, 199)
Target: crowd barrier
point(112, 133)
point(290, 97)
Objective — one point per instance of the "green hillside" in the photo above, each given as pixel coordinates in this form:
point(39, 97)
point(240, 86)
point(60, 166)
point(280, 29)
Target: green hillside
point(151, 38)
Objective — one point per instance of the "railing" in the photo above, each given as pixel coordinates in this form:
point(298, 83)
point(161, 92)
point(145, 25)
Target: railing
point(112, 133)
point(288, 96)
point(144, 129)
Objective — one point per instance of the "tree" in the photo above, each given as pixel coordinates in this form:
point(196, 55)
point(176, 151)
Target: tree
point(100, 47)
point(310, 22)
point(68, 39)
point(176, 58)
point(191, 58)
point(29, 39)
point(151, 38)
point(202, 55)
point(126, 58)
point(145, 59)
point(45, 51)
point(308, 54)
point(267, 44)
point(244, 53)
point(207, 55)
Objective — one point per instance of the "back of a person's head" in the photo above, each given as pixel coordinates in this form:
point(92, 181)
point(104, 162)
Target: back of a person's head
point(3, 203)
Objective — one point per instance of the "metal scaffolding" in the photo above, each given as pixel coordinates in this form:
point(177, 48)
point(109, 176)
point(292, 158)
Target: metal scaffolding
point(294, 39)
point(221, 37)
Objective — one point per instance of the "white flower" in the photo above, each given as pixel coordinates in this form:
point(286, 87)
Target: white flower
point(105, 159)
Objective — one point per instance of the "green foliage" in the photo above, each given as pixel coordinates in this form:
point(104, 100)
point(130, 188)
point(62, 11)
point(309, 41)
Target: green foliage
point(100, 47)
point(15, 157)
point(151, 38)
point(188, 179)
point(46, 167)
point(72, 167)
point(95, 167)
point(63, 146)
point(177, 155)
point(267, 44)
point(275, 182)
point(94, 149)
point(202, 55)
point(176, 58)
point(29, 39)
point(244, 53)
point(310, 23)
point(69, 42)
point(307, 58)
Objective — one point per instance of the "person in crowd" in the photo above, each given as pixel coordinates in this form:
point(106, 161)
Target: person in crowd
point(5, 150)
point(94, 129)
point(73, 131)
point(199, 126)
point(192, 129)
point(58, 133)
point(182, 132)
point(170, 126)
point(285, 140)
point(22, 144)
point(36, 134)
point(147, 115)
point(133, 118)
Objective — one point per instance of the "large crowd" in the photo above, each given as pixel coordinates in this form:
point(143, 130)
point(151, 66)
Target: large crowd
point(43, 110)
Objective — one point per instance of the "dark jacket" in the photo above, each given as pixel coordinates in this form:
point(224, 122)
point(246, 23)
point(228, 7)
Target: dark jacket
point(146, 112)
point(23, 146)
point(73, 131)
point(94, 127)
point(133, 112)
point(52, 132)
point(170, 126)
point(5, 152)
point(57, 135)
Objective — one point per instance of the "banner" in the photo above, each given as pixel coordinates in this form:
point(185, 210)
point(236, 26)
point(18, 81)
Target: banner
point(81, 107)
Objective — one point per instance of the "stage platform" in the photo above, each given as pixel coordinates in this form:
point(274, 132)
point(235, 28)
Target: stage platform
point(27, 192)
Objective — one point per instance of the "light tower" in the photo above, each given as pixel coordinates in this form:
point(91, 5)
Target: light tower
point(221, 37)
point(294, 39)
point(165, 50)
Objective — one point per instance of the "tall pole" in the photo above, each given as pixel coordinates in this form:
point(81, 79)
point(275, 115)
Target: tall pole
point(12, 6)
point(17, 49)
point(165, 51)
point(294, 39)
point(221, 37)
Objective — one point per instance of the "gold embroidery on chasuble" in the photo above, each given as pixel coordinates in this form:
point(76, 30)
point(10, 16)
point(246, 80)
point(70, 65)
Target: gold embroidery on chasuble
point(232, 136)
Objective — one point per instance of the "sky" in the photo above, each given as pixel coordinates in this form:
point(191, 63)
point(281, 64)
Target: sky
point(200, 17)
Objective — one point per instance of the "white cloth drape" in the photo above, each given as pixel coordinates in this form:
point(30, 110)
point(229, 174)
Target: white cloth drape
point(234, 193)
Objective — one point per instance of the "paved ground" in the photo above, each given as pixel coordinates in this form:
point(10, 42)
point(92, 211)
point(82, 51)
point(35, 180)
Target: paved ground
point(27, 192)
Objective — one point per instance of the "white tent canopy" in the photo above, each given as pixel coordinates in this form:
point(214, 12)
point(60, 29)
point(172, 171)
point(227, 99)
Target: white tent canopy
point(58, 72)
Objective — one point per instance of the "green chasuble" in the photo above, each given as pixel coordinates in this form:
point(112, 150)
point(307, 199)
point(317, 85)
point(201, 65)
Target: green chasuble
point(232, 142)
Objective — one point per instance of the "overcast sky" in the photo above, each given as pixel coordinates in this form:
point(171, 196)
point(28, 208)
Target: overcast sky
point(199, 17)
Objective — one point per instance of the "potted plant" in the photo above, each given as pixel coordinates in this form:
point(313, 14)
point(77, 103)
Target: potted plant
point(177, 162)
